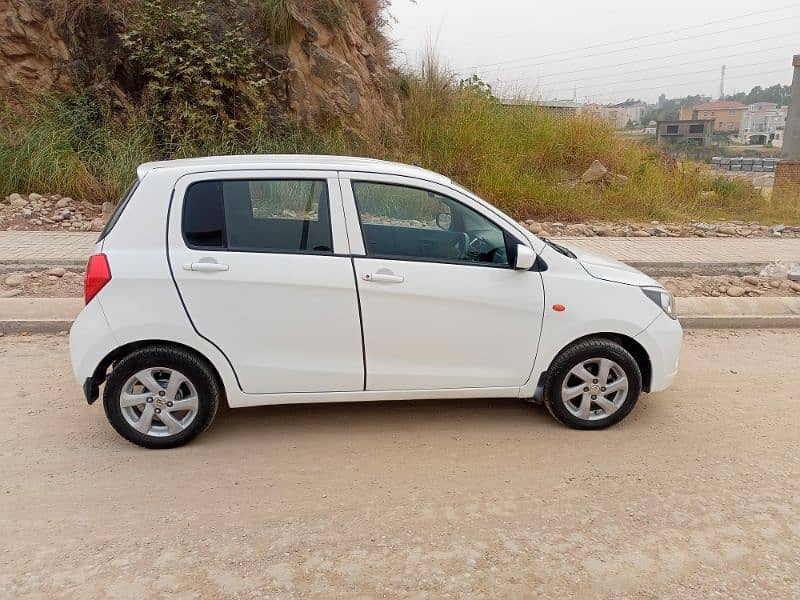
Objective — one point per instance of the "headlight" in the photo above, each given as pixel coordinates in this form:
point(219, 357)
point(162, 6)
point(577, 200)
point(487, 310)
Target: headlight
point(663, 298)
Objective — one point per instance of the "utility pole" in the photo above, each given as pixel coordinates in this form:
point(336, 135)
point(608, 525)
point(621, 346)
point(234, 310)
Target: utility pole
point(787, 171)
point(722, 83)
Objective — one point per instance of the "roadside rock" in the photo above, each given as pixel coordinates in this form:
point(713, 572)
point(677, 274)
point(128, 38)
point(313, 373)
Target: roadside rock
point(735, 291)
point(751, 279)
point(14, 280)
point(64, 202)
point(98, 224)
point(107, 208)
point(596, 172)
point(56, 271)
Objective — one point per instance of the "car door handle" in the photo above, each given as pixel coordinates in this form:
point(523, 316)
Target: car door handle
point(205, 267)
point(383, 277)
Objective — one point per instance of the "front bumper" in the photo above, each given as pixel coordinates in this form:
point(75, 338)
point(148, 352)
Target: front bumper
point(662, 340)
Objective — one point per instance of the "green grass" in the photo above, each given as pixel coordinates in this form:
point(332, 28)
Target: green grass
point(517, 158)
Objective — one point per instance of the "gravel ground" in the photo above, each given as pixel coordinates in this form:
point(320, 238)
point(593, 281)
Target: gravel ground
point(695, 495)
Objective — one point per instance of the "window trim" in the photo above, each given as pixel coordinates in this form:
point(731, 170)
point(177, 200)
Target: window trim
point(507, 236)
point(225, 248)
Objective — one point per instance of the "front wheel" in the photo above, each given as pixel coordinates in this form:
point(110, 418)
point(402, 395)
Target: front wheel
point(160, 397)
point(593, 384)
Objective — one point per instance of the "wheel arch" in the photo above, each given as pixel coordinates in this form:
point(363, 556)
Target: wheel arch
point(636, 350)
point(92, 386)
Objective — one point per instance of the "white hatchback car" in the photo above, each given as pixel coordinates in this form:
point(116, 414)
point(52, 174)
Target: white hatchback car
point(296, 279)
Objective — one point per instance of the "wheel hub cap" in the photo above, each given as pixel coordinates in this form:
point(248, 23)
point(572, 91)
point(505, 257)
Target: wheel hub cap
point(594, 389)
point(159, 402)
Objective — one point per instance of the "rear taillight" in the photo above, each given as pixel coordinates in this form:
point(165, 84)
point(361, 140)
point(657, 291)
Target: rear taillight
point(98, 273)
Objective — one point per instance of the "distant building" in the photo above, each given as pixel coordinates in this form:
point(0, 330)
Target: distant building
point(726, 114)
point(565, 108)
point(685, 131)
point(763, 124)
point(617, 115)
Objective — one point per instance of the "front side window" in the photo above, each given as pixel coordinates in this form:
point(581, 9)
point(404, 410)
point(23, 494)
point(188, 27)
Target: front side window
point(406, 222)
point(259, 215)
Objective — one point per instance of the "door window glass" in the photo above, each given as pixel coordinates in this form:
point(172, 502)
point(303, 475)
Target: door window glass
point(407, 222)
point(281, 215)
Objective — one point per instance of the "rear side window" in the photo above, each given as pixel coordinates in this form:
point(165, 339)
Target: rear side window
point(118, 210)
point(258, 215)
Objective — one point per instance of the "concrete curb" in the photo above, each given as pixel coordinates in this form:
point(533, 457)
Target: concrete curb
point(54, 315)
point(38, 315)
point(741, 322)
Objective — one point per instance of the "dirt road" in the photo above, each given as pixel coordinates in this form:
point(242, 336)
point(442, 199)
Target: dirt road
point(696, 495)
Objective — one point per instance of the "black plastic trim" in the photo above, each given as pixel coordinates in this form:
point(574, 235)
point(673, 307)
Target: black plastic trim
point(91, 390)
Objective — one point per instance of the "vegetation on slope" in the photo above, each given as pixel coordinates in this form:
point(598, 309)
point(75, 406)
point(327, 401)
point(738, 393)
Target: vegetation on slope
point(519, 158)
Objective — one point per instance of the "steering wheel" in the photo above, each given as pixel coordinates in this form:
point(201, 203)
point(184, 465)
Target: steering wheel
point(460, 245)
point(483, 250)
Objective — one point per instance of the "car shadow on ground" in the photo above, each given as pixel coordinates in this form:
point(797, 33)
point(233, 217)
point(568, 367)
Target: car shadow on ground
point(378, 416)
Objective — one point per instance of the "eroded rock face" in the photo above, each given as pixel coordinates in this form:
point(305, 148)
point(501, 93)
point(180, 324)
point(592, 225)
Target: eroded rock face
point(323, 76)
point(31, 50)
point(337, 74)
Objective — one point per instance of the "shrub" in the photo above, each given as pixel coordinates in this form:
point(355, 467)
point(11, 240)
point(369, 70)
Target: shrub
point(193, 81)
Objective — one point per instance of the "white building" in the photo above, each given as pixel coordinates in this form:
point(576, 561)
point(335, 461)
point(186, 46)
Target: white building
point(618, 115)
point(763, 124)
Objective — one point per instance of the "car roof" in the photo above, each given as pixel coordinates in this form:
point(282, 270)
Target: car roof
point(293, 161)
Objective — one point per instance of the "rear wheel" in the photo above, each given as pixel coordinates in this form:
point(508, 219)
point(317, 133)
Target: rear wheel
point(593, 384)
point(160, 397)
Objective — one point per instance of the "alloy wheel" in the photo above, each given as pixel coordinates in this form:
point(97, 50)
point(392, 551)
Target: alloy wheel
point(159, 402)
point(594, 389)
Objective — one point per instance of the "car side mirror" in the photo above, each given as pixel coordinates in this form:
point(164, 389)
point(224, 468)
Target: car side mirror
point(526, 258)
point(444, 221)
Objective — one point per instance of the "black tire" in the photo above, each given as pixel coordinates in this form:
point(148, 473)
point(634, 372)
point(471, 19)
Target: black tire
point(581, 352)
point(192, 367)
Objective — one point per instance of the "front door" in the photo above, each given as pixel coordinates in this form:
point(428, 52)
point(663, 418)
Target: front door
point(442, 306)
point(252, 254)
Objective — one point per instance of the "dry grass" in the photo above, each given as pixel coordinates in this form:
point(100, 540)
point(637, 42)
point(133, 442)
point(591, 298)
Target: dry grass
point(517, 158)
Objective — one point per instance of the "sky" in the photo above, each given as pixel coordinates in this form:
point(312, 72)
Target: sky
point(604, 51)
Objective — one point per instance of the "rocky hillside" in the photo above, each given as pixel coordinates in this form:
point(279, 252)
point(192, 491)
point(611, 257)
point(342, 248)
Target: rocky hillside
point(321, 61)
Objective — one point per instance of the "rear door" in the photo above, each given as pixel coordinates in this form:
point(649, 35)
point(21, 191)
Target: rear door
point(442, 306)
point(260, 259)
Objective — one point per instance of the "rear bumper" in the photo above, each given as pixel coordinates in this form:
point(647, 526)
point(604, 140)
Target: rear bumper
point(662, 340)
point(90, 341)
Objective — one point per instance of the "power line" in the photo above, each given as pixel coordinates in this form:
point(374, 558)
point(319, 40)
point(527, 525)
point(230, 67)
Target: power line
point(638, 60)
point(697, 82)
point(709, 70)
point(572, 80)
point(637, 38)
point(651, 44)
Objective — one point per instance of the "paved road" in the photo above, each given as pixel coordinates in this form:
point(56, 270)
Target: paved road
point(38, 246)
point(696, 495)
